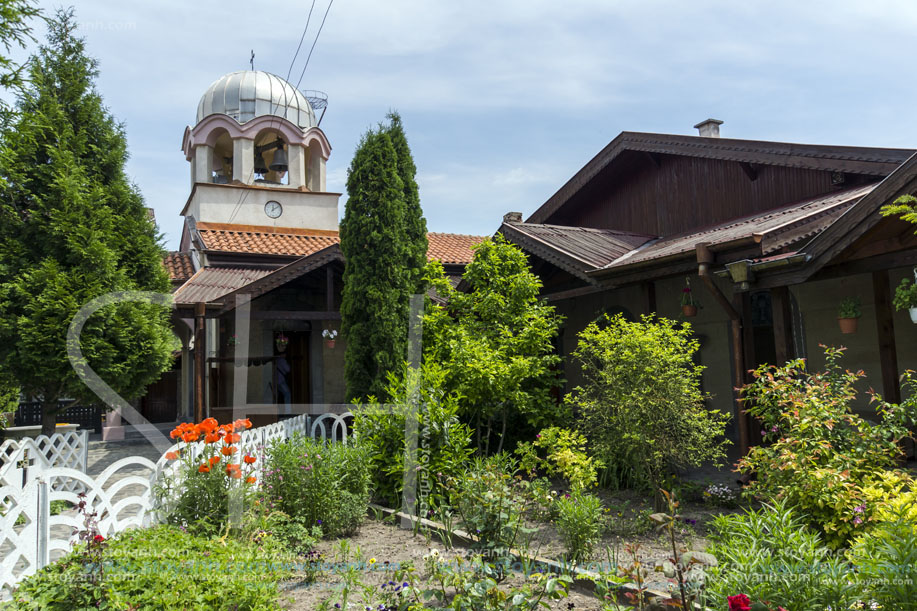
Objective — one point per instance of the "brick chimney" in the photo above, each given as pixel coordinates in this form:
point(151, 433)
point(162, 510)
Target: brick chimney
point(512, 217)
point(709, 128)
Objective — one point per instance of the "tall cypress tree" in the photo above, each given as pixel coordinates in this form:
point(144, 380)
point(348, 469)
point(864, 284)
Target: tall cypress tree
point(72, 228)
point(415, 226)
point(373, 303)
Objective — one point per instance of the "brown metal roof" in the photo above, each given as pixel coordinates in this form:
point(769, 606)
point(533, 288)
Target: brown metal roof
point(575, 249)
point(773, 230)
point(851, 159)
point(211, 283)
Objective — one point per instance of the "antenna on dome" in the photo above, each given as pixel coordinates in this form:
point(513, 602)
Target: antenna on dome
point(251, 60)
point(318, 100)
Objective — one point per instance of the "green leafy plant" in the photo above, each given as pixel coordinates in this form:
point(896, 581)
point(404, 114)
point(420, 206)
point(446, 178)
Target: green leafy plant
point(490, 505)
point(849, 308)
point(164, 567)
point(640, 405)
point(771, 555)
point(444, 443)
point(580, 521)
point(317, 484)
point(886, 558)
point(495, 345)
point(818, 454)
point(905, 295)
point(560, 453)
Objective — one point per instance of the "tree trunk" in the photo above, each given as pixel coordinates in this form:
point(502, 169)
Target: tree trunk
point(48, 417)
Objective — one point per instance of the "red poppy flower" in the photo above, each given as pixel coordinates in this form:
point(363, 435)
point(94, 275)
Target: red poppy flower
point(203, 469)
point(98, 538)
point(228, 450)
point(171, 455)
point(250, 480)
point(214, 460)
point(249, 460)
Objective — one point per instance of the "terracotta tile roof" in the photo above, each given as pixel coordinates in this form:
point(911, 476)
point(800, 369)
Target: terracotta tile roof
point(450, 248)
point(179, 266)
point(211, 283)
point(773, 230)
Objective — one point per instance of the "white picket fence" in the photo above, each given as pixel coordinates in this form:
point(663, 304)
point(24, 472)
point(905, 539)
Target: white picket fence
point(122, 495)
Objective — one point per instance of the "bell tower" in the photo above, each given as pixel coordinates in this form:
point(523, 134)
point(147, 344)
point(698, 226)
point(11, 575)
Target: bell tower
point(257, 156)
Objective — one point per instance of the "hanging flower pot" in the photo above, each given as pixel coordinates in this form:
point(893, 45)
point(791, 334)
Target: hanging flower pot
point(689, 304)
point(848, 313)
point(847, 325)
point(906, 297)
point(329, 343)
point(330, 336)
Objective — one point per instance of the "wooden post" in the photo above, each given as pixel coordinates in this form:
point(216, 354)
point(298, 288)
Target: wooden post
point(200, 359)
point(740, 364)
point(885, 327)
point(329, 289)
point(783, 325)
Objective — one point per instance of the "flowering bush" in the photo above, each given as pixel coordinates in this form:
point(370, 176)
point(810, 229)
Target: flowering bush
point(317, 484)
point(818, 454)
point(211, 475)
point(720, 495)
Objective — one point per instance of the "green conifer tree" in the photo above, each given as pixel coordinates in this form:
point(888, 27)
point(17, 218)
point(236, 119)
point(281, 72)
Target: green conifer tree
point(373, 304)
point(72, 228)
point(415, 226)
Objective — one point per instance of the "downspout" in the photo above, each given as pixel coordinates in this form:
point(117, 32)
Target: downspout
point(704, 261)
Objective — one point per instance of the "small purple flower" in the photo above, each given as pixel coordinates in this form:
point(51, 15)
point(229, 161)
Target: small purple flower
point(763, 432)
point(857, 520)
point(859, 508)
point(318, 521)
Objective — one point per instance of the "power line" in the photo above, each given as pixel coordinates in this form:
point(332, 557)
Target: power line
point(319, 33)
point(301, 38)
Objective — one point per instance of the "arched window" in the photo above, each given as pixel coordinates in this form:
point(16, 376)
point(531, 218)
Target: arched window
point(272, 158)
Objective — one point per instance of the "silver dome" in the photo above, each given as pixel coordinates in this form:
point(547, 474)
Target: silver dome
point(247, 94)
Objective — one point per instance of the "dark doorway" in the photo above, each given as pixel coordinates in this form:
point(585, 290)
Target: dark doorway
point(160, 404)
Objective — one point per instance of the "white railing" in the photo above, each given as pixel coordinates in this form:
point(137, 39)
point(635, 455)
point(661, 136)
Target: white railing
point(56, 471)
point(66, 450)
point(120, 501)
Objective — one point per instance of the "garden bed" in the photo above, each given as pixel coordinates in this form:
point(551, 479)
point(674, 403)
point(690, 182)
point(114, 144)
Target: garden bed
point(375, 551)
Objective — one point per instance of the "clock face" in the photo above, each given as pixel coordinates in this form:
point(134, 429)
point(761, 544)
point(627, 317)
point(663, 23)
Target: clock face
point(273, 209)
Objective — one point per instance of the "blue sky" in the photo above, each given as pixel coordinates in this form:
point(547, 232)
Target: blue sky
point(504, 100)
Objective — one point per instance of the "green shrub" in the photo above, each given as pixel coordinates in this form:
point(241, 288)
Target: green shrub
point(318, 484)
point(560, 452)
point(640, 405)
point(580, 521)
point(490, 504)
point(443, 444)
point(162, 568)
point(886, 558)
point(771, 555)
point(819, 455)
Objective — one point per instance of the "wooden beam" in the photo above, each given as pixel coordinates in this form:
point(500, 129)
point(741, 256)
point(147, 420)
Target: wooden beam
point(329, 289)
point(571, 293)
point(783, 324)
point(200, 355)
point(653, 157)
point(885, 326)
point(294, 315)
point(750, 170)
